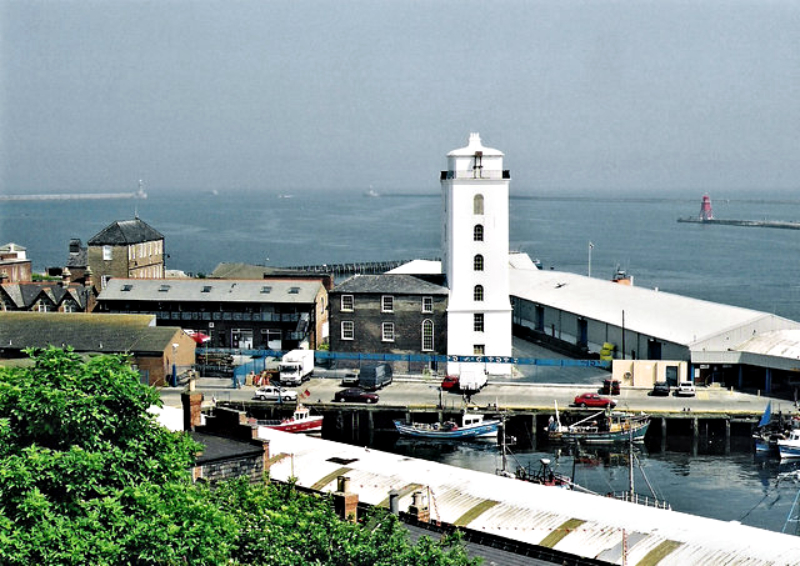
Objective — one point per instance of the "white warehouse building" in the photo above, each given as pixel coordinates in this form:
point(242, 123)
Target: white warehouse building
point(722, 344)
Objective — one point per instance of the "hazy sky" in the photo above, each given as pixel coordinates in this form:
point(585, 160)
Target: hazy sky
point(282, 95)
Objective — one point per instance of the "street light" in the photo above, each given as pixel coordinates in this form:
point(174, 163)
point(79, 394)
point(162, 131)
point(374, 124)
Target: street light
point(591, 247)
point(174, 371)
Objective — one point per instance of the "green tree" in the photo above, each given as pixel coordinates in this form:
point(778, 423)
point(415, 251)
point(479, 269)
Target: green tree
point(87, 476)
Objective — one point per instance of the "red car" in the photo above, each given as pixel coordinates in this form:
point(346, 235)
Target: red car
point(450, 383)
point(593, 400)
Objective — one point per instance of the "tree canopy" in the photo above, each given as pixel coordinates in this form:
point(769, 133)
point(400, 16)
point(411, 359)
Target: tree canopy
point(88, 476)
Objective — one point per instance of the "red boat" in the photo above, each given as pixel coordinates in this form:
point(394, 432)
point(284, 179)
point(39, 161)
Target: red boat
point(301, 421)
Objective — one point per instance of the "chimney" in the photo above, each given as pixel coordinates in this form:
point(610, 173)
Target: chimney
point(66, 277)
point(419, 508)
point(345, 504)
point(88, 277)
point(191, 403)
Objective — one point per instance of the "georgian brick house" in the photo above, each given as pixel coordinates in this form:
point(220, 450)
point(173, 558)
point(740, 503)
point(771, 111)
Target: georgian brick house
point(389, 313)
point(129, 249)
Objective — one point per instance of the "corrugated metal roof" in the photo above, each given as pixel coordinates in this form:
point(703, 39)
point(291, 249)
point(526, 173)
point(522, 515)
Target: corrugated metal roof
point(677, 319)
point(781, 343)
point(212, 290)
point(581, 524)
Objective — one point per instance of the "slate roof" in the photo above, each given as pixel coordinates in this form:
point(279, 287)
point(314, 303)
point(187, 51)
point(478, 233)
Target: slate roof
point(250, 271)
point(85, 332)
point(395, 284)
point(212, 290)
point(221, 448)
point(125, 232)
point(24, 295)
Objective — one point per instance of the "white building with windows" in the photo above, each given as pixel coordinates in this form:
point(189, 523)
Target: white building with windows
point(475, 190)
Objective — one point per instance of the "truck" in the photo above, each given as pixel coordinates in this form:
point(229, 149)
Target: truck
point(296, 367)
point(374, 376)
point(471, 380)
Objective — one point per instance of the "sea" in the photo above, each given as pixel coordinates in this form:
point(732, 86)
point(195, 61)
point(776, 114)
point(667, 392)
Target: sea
point(587, 232)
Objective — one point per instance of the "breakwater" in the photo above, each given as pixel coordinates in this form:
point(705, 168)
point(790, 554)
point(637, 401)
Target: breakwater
point(75, 196)
point(784, 224)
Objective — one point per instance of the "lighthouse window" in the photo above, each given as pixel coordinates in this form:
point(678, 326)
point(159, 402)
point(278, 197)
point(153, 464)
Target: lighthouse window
point(478, 293)
point(477, 263)
point(477, 233)
point(477, 204)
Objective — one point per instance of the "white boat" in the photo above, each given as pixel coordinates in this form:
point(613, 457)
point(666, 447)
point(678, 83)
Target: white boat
point(301, 421)
point(790, 447)
point(471, 426)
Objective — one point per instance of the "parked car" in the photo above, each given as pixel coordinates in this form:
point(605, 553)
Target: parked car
point(450, 383)
point(685, 389)
point(660, 389)
point(593, 400)
point(273, 393)
point(611, 387)
point(349, 379)
point(355, 395)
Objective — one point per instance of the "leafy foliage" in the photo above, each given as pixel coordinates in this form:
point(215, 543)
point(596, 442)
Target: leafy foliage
point(87, 476)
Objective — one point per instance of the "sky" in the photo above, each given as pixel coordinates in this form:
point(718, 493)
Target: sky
point(595, 96)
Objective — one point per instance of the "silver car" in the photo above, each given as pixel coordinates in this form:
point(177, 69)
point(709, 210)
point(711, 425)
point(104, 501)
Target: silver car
point(277, 394)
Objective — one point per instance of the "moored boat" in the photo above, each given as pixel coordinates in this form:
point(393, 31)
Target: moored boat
point(471, 426)
point(790, 447)
point(604, 427)
point(301, 421)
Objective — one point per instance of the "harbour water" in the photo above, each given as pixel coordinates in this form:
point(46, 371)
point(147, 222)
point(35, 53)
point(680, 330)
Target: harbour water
point(734, 265)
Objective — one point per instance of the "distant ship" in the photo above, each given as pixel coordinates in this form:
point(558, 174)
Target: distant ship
point(372, 193)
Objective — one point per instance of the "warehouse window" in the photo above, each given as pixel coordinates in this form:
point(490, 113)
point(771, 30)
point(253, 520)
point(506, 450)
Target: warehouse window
point(477, 293)
point(347, 303)
point(387, 303)
point(477, 322)
point(387, 332)
point(477, 204)
point(477, 233)
point(477, 263)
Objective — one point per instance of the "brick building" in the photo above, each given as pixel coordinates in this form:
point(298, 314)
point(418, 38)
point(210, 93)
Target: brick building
point(125, 249)
point(274, 314)
point(15, 267)
point(154, 350)
point(389, 313)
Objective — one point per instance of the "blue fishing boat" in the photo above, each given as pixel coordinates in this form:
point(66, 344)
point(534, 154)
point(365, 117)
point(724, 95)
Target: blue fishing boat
point(471, 426)
point(604, 427)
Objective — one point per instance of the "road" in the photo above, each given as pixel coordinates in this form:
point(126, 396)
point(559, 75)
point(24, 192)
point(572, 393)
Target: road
point(418, 392)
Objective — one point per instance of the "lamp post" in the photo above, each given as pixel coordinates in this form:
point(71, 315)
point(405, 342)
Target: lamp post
point(174, 370)
point(591, 247)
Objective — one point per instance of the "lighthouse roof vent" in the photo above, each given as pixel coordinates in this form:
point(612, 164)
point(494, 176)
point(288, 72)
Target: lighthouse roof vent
point(474, 147)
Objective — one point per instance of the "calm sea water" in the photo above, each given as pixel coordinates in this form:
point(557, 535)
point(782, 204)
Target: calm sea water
point(749, 267)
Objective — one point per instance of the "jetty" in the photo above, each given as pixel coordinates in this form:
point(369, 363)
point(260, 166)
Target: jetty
point(706, 216)
point(140, 194)
point(785, 224)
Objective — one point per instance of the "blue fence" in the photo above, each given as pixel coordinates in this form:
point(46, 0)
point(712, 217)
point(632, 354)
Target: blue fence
point(259, 360)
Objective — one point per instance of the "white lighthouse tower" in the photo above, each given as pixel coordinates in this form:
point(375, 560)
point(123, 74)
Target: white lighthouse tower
point(475, 256)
